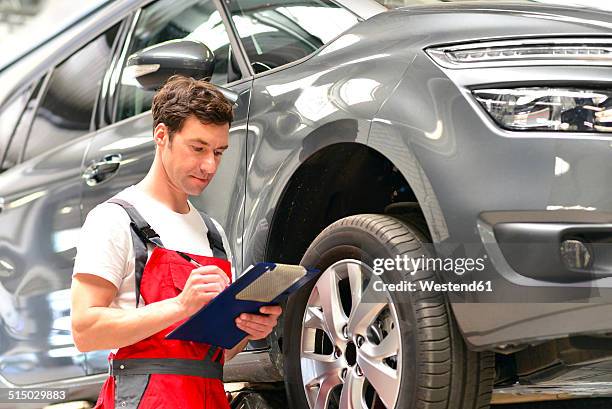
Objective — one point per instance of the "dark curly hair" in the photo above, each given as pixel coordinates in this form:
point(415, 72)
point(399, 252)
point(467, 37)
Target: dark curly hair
point(181, 97)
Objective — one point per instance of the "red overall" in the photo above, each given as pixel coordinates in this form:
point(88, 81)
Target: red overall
point(164, 276)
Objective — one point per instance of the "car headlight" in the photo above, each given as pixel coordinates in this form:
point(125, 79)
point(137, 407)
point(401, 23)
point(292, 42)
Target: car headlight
point(548, 109)
point(524, 52)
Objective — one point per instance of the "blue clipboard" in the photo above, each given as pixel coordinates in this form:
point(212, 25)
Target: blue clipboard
point(262, 284)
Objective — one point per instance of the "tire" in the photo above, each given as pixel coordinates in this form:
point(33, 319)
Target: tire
point(431, 368)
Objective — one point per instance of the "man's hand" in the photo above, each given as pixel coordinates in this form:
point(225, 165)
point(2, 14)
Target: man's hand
point(203, 284)
point(259, 326)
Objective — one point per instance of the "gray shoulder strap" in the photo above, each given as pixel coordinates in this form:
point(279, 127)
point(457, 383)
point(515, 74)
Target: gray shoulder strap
point(142, 233)
point(214, 238)
point(138, 223)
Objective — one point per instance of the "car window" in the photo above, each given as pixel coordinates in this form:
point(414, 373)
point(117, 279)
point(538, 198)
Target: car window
point(278, 32)
point(12, 136)
point(8, 119)
point(167, 20)
point(66, 106)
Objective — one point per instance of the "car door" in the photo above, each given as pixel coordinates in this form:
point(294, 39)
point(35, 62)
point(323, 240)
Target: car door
point(122, 152)
point(40, 191)
point(288, 101)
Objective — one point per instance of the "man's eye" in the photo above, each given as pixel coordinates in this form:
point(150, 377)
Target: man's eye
point(218, 153)
point(197, 149)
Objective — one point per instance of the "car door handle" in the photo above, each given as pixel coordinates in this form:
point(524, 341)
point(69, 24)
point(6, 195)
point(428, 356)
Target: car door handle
point(99, 171)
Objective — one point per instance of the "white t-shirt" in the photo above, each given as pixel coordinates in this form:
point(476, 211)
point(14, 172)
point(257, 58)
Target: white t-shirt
point(105, 242)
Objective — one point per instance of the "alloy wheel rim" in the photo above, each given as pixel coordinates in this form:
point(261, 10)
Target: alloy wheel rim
point(353, 345)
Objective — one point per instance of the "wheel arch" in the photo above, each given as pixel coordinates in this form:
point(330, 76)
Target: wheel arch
point(336, 181)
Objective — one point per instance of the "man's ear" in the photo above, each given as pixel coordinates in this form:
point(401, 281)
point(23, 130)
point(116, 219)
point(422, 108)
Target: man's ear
point(160, 134)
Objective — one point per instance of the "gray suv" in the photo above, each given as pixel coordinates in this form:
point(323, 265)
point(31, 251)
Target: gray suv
point(471, 134)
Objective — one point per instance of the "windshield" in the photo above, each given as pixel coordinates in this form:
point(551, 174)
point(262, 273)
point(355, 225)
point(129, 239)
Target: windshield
point(596, 4)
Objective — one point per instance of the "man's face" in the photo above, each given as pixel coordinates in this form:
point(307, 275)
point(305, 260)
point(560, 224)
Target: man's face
point(191, 160)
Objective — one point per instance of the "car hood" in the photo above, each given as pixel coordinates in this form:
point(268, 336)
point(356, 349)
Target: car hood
point(459, 21)
point(419, 27)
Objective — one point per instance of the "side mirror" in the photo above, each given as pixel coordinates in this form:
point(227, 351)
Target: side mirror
point(152, 66)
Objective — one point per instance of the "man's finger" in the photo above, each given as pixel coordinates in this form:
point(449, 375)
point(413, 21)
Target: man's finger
point(271, 310)
point(255, 334)
point(204, 270)
point(262, 319)
point(249, 326)
point(259, 324)
point(210, 270)
point(208, 278)
point(253, 326)
point(209, 287)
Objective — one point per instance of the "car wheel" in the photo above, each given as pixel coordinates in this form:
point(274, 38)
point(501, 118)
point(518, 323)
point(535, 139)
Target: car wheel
point(345, 349)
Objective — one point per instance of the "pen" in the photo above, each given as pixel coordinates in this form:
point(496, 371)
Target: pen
point(192, 261)
point(186, 257)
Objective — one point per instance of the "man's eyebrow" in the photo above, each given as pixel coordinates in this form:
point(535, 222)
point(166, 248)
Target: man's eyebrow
point(198, 140)
point(203, 142)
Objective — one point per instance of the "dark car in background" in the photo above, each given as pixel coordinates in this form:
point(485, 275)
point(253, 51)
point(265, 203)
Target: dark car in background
point(455, 130)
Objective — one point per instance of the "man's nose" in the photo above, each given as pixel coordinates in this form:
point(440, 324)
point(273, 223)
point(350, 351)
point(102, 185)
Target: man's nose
point(208, 163)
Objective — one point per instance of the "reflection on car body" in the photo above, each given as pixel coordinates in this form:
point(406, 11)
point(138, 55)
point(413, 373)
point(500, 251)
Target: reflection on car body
point(356, 130)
